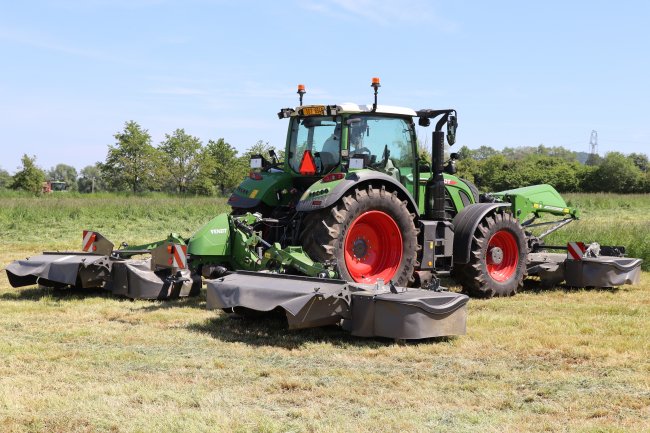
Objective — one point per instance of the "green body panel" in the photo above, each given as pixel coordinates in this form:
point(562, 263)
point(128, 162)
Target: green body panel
point(213, 239)
point(272, 190)
point(454, 186)
point(320, 189)
point(536, 200)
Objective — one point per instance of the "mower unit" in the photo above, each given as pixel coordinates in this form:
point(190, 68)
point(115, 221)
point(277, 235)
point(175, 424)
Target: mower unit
point(163, 276)
point(365, 310)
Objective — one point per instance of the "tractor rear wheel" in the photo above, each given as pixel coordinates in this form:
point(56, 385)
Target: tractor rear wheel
point(497, 265)
point(369, 233)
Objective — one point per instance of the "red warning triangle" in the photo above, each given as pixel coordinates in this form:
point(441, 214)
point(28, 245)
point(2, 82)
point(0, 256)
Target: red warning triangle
point(307, 165)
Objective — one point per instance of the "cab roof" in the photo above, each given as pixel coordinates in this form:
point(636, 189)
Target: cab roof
point(349, 107)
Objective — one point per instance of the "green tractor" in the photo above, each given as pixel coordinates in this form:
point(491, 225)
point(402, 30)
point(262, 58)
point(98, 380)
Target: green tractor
point(353, 199)
point(350, 228)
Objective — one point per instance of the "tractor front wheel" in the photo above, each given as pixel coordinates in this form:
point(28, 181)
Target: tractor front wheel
point(370, 234)
point(497, 265)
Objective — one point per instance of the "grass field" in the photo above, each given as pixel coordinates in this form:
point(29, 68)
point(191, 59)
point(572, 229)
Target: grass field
point(555, 360)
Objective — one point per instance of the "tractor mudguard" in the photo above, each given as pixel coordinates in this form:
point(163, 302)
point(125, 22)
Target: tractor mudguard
point(465, 224)
point(311, 200)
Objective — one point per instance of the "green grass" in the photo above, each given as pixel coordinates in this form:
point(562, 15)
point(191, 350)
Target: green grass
point(57, 220)
point(75, 361)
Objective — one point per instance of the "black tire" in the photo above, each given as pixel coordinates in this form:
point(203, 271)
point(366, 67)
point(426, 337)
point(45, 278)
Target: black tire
point(324, 233)
point(473, 189)
point(485, 275)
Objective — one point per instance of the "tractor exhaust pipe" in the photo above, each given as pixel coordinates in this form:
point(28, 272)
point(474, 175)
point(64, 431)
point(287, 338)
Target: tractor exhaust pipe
point(435, 188)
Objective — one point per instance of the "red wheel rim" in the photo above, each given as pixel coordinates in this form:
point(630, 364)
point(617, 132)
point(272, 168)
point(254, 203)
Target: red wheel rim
point(502, 256)
point(373, 247)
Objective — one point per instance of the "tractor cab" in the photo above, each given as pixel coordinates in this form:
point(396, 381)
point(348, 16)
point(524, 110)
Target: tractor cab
point(352, 137)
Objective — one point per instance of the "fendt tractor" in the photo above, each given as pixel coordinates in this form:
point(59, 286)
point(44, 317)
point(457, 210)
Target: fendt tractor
point(352, 227)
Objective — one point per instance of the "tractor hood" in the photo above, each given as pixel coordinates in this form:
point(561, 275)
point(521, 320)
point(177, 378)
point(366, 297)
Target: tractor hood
point(272, 189)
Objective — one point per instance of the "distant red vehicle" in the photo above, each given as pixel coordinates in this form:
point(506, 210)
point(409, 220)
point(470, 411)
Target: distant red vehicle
point(54, 185)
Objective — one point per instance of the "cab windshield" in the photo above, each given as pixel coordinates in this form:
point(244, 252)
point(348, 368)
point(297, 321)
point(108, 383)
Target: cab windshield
point(320, 135)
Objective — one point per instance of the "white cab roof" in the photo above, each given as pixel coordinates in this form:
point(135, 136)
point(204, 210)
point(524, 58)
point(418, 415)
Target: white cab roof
point(349, 107)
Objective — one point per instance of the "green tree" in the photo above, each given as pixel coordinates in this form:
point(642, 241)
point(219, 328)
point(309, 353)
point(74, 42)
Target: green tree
point(132, 162)
point(521, 152)
point(91, 179)
point(617, 173)
point(484, 152)
point(222, 166)
point(588, 179)
point(563, 153)
point(181, 158)
point(424, 153)
point(29, 177)
point(464, 153)
point(5, 179)
point(64, 173)
point(470, 169)
point(640, 160)
point(593, 160)
point(556, 171)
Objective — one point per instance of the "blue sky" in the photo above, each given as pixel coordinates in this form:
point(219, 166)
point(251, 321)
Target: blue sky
point(519, 73)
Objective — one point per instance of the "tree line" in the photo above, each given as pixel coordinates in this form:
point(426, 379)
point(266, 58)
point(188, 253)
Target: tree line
point(493, 170)
point(183, 164)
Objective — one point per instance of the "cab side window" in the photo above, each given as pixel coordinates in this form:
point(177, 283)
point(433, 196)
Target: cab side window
point(386, 141)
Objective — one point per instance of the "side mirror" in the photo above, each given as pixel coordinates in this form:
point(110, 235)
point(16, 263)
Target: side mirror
point(273, 155)
point(452, 125)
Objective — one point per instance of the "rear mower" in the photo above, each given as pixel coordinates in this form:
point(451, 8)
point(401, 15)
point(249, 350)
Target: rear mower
point(352, 216)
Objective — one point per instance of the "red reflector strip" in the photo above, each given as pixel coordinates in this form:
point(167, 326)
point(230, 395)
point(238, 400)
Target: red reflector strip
point(88, 240)
point(575, 250)
point(180, 256)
